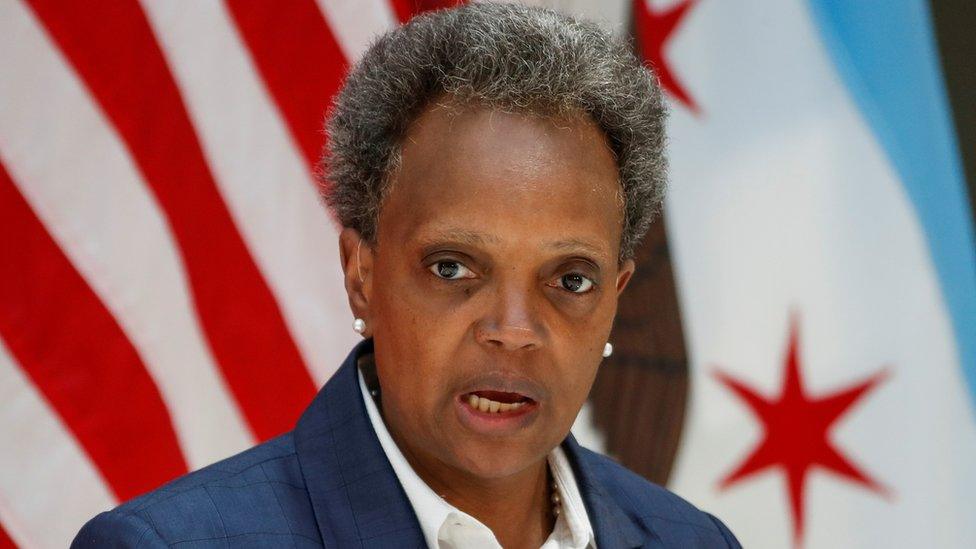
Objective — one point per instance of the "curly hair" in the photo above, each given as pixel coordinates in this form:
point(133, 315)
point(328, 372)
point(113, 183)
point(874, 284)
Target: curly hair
point(506, 56)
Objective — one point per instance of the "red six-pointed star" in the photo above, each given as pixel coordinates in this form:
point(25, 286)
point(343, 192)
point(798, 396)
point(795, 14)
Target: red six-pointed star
point(653, 30)
point(796, 430)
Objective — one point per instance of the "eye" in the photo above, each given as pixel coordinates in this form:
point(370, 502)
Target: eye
point(451, 270)
point(576, 283)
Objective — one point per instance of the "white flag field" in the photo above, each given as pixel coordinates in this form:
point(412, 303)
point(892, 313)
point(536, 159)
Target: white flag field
point(170, 292)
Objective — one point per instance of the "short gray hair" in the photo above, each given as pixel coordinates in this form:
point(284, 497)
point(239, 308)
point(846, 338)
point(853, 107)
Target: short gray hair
point(506, 56)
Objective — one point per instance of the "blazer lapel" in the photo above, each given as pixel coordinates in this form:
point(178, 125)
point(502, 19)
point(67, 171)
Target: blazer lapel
point(354, 491)
point(611, 525)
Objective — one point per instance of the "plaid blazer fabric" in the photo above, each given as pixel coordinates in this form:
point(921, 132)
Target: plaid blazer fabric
point(328, 483)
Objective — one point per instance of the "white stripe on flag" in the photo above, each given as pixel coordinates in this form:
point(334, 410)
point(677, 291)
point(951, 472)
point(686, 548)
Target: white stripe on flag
point(49, 487)
point(74, 171)
point(261, 175)
point(356, 23)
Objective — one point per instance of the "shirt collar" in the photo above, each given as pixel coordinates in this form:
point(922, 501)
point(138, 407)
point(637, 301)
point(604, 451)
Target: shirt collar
point(433, 511)
point(573, 510)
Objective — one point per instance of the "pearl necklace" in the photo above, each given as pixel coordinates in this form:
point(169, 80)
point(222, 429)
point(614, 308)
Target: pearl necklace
point(556, 500)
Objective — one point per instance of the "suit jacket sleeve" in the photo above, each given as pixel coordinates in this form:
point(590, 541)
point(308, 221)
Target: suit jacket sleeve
point(730, 539)
point(116, 530)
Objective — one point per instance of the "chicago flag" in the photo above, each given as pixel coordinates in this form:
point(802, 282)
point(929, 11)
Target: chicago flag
point(823, 242)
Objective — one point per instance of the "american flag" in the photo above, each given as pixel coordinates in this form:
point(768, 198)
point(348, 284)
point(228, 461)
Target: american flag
point(170, 292)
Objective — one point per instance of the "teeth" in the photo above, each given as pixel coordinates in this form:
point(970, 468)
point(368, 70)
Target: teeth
point(492, 406)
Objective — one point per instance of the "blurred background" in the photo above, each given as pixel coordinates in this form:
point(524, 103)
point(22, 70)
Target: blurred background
point(797, 352)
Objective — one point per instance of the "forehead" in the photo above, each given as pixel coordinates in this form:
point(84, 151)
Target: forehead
point(504, 177)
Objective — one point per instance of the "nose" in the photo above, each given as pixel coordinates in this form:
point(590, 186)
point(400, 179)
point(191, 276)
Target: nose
point(510, 323)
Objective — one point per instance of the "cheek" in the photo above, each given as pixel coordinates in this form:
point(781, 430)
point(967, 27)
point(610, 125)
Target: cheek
point(578, 342)
point(413, 387)
point(415, 306)
point(577, 376)
point(583, 331)
point(414, 340)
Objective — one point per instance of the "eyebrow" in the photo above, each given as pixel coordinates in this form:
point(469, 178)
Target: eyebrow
point(475, 238)
point(461, 236)
point(575, 244)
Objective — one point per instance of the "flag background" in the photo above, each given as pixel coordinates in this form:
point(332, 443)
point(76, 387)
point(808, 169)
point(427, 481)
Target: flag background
point(797, 352)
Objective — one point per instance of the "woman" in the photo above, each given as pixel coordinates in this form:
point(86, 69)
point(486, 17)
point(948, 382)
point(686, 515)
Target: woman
point(493, 167)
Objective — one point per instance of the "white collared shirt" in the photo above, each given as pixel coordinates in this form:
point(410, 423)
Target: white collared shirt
point(447, 527)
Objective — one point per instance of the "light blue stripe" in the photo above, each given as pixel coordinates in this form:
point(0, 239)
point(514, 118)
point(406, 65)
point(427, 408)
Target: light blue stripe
point(886, 54)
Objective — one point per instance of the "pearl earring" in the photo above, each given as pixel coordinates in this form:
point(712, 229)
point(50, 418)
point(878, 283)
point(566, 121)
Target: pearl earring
point(359, 326)
point(607, 350)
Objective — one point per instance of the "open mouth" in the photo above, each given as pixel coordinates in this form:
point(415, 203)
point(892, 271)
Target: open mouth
point(493, 412)
point(496, 402)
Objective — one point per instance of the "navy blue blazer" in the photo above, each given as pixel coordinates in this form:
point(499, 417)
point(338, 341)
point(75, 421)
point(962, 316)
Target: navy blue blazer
point(328, 483)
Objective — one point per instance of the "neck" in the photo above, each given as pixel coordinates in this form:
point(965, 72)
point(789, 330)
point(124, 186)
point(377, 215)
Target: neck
point(517, 508)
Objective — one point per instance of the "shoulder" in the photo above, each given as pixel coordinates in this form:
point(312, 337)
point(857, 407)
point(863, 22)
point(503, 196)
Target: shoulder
point(659, 510)
point(259, 493)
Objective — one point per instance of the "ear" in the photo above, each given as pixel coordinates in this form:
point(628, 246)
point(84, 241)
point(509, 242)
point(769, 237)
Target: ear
point(624, 274)
point(357, 269)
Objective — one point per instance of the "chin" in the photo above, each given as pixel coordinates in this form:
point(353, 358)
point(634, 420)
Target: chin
point(494, 459)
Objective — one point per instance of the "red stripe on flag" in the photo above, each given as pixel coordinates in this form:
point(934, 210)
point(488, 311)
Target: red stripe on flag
point(5, 541)
point(113, 48)
point(299, 60)
point(406, 9)
point(79, 358)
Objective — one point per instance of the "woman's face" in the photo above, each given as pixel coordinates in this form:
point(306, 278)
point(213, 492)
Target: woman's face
point(495, 275)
